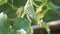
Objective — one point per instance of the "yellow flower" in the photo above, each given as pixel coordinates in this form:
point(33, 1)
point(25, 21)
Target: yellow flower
point(39, 9)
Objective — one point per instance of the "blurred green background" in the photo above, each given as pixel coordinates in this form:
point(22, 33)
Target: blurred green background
point(51, 15)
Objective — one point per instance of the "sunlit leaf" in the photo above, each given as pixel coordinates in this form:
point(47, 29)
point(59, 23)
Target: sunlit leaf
point(3, 23)
point(19, 11)
point(3, 2)
point(3, 18)
point(21, 31)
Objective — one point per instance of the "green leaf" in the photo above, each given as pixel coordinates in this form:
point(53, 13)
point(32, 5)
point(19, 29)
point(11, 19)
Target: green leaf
point(3, 18)
point(3, 22)
point(19, 3)
point(18, 24)
point(21, 23)
point(3, 2)
point(50, 5)
point(21, 31)
point(8, 10)
point(5, 25)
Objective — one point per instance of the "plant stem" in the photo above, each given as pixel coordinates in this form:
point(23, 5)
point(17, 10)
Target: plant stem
point(29, 18)
point(35, 4)
point(44, 12)
point(13, 7)
point(44, 3)
point(41, 5)
point(23, 15)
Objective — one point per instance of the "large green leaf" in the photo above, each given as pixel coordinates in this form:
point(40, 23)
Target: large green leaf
point(3, 24)
point(21, 23)
point(18, 24)
point(3, 2)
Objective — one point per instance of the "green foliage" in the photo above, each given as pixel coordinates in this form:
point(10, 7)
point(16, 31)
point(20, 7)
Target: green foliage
point(3, 2)
point(20, 14)
point(21, 23)
point(30, 10)
point(18, 23)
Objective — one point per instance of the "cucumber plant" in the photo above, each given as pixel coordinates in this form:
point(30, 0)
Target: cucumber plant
point(17, 17)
